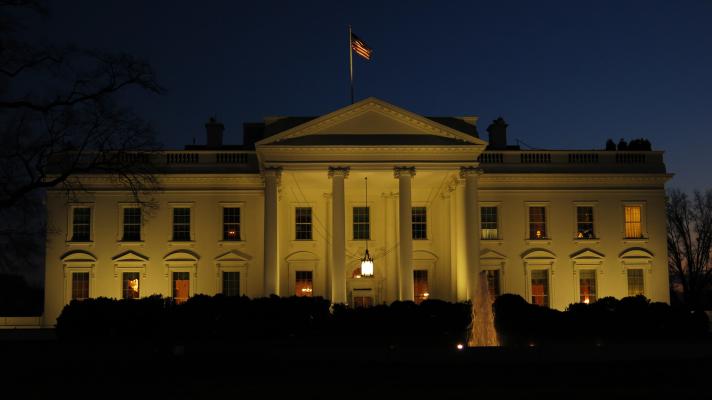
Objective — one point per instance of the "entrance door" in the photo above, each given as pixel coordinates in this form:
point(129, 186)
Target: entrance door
point(362, 297)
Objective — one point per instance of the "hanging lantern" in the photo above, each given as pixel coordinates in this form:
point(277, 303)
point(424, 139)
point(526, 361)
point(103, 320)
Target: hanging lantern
point(367, 265)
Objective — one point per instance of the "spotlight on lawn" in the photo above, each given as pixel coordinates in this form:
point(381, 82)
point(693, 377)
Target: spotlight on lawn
point(460, 346)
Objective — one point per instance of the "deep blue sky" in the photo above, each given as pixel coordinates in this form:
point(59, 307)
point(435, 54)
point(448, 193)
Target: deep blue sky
point(564, 74)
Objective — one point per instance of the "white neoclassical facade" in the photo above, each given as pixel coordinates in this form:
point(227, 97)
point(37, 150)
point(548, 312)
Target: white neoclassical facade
point(290, 216)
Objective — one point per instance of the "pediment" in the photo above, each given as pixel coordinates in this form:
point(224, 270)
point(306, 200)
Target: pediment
point(78, 256)
point(181, 255)
point(489, 254)
point(301, 256)
point(538, 254)
point(233, 255)
point(636, 253)
point(587, 254)
point(129, 256)
point(424, 255)
point(371, 120)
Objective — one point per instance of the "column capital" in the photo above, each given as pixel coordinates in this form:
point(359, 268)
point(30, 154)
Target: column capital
point(469, 171)
point(398, 171)
point(275, 172)
point(339, 171)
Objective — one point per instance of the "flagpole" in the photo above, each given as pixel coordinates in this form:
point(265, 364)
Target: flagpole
point(351, 66)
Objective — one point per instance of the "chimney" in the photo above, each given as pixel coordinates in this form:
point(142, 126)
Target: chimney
point(497, 134)
point(214, 131)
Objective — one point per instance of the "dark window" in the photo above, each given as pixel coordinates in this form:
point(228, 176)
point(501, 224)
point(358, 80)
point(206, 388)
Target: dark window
point(231, 283)
point(584, 223)
point(231, 223)
point(493, 283)
point(540, 287)
point(362, 228)
point(488, 223)
point(80, 285)
point(81, 224)
point(181, 286)
point(303, 220)
point(635, 282)
point(420, 285)
point(181, 224)
point(587, 285)
point(420, 225)
point(304, 284)
point(132, 224)
point(130, 285)
point(537, 222)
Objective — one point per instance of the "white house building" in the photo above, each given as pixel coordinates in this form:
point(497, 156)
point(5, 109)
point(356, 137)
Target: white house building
point(288, 214)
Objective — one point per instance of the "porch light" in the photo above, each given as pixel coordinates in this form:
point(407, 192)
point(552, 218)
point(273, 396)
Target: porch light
point(367, 261)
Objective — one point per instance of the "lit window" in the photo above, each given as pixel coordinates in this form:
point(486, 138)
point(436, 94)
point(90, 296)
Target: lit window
point(181, 286)
point(81, 224)
point(493, 283)
point(540, 287)
point(635, 282)
point(132, 224)
point(303, 220)
point(231, 223)
point(420, 226)
point(231, 283)
point(420, 285)
point(304, 284)
point(488, 223)
point(587, 286)
point(361, 219)
point(633, 226)
point(80, 285)
point(130, 285)
point(584, 223)
point(537, 222)
point(181, 224)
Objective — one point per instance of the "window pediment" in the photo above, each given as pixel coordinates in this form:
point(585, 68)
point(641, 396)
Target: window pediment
point(538, 254)
point(636, 253)
point(587, 255)
point(129, 257)
point(181, 255)
point(489, 254)
point(301, 256)
point(233, 255)
point(78, 256)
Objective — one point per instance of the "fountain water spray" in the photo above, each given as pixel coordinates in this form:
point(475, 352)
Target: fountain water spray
point(482, 332)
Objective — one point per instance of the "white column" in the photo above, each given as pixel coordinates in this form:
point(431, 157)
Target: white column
point(472, 237)
point(404, 176)
point(271, 177)
point(338, 238)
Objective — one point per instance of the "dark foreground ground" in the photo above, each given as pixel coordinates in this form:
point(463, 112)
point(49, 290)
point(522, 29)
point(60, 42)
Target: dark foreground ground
point(37, 366)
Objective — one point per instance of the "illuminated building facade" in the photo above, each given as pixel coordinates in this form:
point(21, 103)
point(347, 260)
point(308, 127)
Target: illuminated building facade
point(287, 214)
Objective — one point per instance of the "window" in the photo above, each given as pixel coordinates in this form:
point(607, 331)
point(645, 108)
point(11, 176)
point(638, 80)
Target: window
point(362, 226)
point(231, 223)
point(80, 285)
point(537, 223)
point(635, 282)
point(132, 224)
point(130, 285)
point(540, 287)
point(584, 222)
point(633, 225)
point(587, 286)
point(420, 226)
point(304, 284)
point(303, 219)
point(181, 286)
point(488, 223)
point(181, 224)
point(231, 283)
point(81, 224)
point(420, 285)
point(493, 283)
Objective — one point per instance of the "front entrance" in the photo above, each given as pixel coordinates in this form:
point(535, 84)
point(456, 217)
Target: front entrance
point(362, 292)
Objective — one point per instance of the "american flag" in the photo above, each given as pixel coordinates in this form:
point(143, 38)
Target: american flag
point(360, 47)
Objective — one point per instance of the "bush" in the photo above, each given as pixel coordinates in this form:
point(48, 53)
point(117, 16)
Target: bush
point(606, 321)
point(275, 320)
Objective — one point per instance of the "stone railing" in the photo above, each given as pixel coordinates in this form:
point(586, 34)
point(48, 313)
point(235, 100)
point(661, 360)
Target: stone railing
point(576, 160)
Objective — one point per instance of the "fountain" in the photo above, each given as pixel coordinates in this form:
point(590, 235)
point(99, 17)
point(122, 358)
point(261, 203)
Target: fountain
point(482, 332)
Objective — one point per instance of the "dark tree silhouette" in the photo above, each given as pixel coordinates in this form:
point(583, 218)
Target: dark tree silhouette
point(60, 117)
point(689, 242)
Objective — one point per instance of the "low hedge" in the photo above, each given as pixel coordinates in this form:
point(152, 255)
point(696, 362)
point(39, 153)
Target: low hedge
point(606, 321)
point(280, 320)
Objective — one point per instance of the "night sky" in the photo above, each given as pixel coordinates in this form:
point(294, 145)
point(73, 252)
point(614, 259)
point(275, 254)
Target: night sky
point(564, 74)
